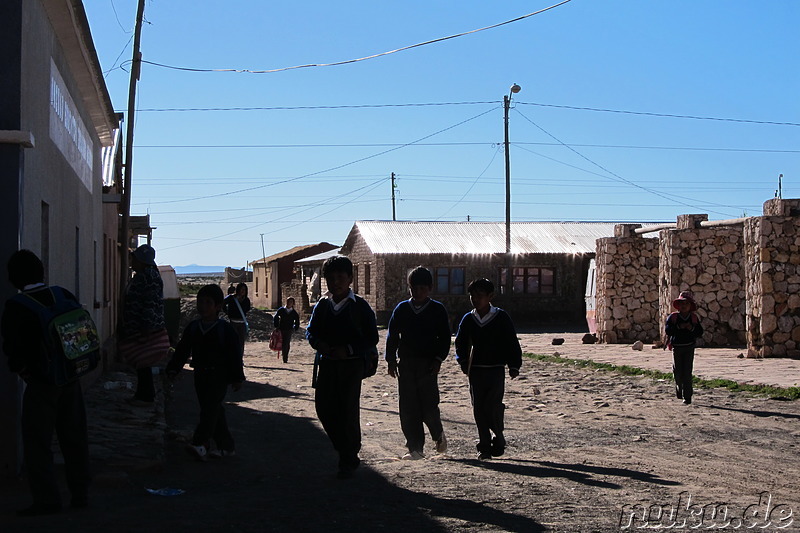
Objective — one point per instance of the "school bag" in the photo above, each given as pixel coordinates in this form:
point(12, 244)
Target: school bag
point(667, 342)
point(70, 343)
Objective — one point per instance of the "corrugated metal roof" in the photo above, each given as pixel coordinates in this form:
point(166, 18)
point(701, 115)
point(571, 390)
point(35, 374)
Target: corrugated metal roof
point(319, 257)
point(286, 253)
point(389, 237)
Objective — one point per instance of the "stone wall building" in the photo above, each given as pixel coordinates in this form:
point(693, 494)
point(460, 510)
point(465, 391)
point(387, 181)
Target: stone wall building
point(743, 273)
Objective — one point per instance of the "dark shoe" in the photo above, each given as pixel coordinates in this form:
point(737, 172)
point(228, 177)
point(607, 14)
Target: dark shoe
point(687, 401)
point(498, 447)
point(484, 456)
point(39, 510)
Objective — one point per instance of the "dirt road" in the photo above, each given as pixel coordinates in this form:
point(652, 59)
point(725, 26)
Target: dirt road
point(585, 447)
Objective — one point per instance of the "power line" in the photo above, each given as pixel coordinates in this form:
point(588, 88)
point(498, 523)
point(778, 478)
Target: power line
point(666, 115)
point(349, 61)
point(289, 180)
point(469, 143)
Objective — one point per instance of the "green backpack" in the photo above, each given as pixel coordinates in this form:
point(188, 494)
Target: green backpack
point(70, 343)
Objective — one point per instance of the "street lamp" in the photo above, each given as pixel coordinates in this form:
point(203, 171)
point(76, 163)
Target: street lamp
point(506, 104)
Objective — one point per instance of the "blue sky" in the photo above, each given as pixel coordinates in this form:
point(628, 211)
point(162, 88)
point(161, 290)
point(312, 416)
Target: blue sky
point(316, 148)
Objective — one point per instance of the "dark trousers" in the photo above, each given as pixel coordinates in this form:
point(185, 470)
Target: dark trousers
point(418, 389)
point(211, 390)
point(486, 390)
point(286, 336)
point(240, 330)
point(682, 364)
point(46, 408)
point(145, 388)
point(337, 398)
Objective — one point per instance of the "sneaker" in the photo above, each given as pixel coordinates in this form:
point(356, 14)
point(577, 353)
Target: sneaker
point(687, 401)
point(441, 444)
point(219, 454)
point(484, 456)
point(199, 452)
point(413, 456)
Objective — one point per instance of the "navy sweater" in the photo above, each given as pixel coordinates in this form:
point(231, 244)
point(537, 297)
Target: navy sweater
point(681, 336)
point(422, 333)
point(493, 343)
point(216, 348)
point(352, 326)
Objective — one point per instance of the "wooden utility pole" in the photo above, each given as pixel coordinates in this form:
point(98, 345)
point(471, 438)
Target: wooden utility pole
point(136, 66)
point(394, 214)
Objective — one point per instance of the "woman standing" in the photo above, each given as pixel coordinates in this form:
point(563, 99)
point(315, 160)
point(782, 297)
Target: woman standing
point(236, 306)
point(143, 336)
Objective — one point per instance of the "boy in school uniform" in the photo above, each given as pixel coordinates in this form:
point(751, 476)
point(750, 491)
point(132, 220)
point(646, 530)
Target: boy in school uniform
point(45, 407)
point(683, 328)
point(486, 343)
point(287, 320)
point(343, 331)
point(213, 345)
point(419, 331)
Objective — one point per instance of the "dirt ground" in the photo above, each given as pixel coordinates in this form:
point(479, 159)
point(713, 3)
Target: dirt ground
point(585, 448)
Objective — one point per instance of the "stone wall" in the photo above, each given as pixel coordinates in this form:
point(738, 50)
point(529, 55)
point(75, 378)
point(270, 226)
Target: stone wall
point(773, 273)
point(627, 287)
point(709, 262)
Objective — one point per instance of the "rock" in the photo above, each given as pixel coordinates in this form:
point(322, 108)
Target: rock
point(638, 346)
point(589, 338)
point(558, 341)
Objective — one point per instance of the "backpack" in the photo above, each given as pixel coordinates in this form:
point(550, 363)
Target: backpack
point(673, 317)
point(70, 343)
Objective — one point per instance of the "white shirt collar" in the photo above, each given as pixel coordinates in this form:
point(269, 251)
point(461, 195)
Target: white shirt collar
point(350, 296)
point(487, 317)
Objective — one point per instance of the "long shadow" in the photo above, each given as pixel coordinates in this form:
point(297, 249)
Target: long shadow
point(536, 471)
point(762, 414)
point(282, 479)
point(606, 471)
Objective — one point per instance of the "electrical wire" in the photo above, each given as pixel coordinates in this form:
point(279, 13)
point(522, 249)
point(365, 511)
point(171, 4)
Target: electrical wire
point(472, 185)
point(665, 115)
point(613, 175)
point(289, 180)
point(349, 61)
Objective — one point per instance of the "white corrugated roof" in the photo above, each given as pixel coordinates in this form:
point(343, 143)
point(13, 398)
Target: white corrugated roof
point(389, 237)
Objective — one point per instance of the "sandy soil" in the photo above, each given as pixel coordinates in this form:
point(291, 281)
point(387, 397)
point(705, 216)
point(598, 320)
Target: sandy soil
point(583, 445)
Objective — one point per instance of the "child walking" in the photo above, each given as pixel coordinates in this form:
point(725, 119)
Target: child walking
point(213, 345)
point(287, 320)
point(486, 343)
point(343, 331)
point(683, 328)
point(419, 331)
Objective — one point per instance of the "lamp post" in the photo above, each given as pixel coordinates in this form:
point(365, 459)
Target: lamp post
point(506, 105)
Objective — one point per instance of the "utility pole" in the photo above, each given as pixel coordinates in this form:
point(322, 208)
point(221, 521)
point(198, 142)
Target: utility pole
point(506, 105)
point(263, 254)
point(136, 66)
point(394, 213)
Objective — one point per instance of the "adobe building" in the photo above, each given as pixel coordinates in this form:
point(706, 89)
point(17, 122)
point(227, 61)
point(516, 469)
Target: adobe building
point(58, 135)
point(269, 273)
point(541, 282)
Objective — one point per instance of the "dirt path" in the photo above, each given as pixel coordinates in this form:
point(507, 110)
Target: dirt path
point(582, 445)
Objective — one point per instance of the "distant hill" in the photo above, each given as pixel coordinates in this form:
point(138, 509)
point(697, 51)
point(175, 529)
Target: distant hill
point(199, 269)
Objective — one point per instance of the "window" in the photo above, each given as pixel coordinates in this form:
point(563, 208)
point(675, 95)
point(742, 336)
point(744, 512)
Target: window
point(355, 279)
point(366, 278)
point(449, 280)
point(529, 280)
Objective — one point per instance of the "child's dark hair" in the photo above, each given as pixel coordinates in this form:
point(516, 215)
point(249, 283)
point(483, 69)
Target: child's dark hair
point(420, 276)
point(241, 286)
point(337, 263)
point(212, 291)
point(25, 268)
point(482, 285)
